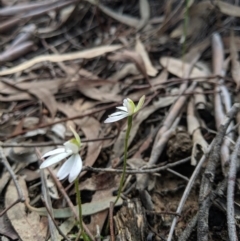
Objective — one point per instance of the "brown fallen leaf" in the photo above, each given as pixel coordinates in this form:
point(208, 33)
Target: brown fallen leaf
point(122, 18)
point(140, 49)
point(194, 130)
point(16, 97)
point(10, 9)
point(28, 225)
point(84, 54)
point(91, 129)
point(17, 51)
point(51, 85)
point(144, 13)
point(47, 98)
point(178, 68)
point(235, 70)
point(6, 228)
point(134, 57)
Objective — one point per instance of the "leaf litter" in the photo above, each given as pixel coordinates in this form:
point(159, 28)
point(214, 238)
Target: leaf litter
point(71, 63)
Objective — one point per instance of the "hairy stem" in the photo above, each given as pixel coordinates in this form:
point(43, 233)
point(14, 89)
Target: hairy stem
point(125, 157)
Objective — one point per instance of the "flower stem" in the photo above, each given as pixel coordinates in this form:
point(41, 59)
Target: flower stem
point(79, 202)
point(125, 157)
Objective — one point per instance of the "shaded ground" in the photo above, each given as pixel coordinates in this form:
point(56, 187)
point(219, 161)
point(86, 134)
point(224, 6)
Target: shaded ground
point(71, 63)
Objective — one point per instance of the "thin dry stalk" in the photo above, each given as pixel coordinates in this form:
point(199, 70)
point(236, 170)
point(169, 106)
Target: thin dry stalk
point(188, 230)
point(112, 236)
point(47, 202)
point(232, 232)
point(187, 191)
point(219, 100)
point(209, 174)
point(21, 197)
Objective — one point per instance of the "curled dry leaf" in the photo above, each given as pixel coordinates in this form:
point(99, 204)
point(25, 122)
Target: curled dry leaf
point(6, 229)
point(122, 18)
point(199, 99)
point(91, 128)
point(128, 69)
point(140, 49)
point(235, 70)
point(28, 225)
point(134, 57)
point(144, 12)
point(51, 85)
point(99, 218)
point(47, 98)
point(178, 68)
point(25, 7)
point(84, 54)
point(194, 130)
point(17, 51)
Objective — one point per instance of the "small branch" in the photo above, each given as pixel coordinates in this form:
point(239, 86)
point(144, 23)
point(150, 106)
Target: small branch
point(111, 221)
point(21, 197)
point(43, 144)
point(50, 214)
point(209, 175)
point(135, 171)
point(188, 230)
point(177, 174)
point(94, 111)
point(232, 232)
point(187, 191)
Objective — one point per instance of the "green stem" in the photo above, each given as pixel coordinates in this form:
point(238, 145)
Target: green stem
point(79, 202)
point(125, 157)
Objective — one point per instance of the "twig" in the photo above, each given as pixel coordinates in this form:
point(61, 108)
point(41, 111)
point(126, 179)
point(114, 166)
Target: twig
point(59, 230)
point(135, 171)
point(42, 144)
point(221, 99)
point(177, 174)
point(187, 191)
point(111, 221)
point(163, 213)
point(232, 232)
point(63, 120)
point(9, 207)
point(209, 174)
point(47, 201)
point(188, 230)
point(21, 197)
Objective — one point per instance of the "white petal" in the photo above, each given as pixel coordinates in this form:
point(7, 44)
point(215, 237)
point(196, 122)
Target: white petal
point(65, 169)
point(54, 159)
point(122, 108)
point(76, 167)
point(116, 118)
point(71, 146)
point(54, 152)
point(118, 113)
point(125, 103)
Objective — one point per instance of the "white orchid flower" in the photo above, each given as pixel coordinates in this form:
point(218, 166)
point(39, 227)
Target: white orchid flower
point(127, 109)
point(73, 166)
